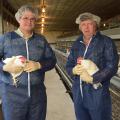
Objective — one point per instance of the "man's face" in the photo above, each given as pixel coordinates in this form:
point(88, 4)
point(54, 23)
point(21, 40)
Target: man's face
point(27, 21)
point(88, 28)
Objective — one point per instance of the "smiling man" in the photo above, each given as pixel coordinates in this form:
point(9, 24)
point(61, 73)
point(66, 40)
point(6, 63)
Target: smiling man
point(26, 99)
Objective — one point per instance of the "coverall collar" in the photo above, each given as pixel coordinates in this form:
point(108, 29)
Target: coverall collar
point(19, 32)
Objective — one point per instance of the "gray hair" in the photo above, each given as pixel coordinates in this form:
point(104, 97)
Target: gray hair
point(24, 8)
point(86, 16)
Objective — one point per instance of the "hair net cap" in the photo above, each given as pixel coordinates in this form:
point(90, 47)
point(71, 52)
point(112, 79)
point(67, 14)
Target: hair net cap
point(86, 16)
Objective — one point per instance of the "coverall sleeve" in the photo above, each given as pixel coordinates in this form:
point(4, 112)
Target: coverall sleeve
point(48, 60)
point(1, 51)
point(70, 63)
point(111, 63)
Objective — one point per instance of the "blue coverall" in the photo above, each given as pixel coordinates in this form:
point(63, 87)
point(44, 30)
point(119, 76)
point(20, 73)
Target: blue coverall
point(95, 103)
point(16, 104)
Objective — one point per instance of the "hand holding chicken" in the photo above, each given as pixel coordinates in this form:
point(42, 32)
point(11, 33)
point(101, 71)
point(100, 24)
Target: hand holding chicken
point(85, 75)
point(32, 66)
point(85, 68)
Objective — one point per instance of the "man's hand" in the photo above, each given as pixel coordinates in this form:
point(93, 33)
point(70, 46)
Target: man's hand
point(85, 76)
point(32, 66)
point(11, 67)
point(77, 70)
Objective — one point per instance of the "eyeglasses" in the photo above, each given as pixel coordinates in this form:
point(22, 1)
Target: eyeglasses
point(28, 19)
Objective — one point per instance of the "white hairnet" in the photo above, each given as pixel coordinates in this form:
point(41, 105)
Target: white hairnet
point(86, 16)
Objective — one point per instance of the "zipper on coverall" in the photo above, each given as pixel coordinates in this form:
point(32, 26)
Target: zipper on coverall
point(86, 49)
point(28, 72)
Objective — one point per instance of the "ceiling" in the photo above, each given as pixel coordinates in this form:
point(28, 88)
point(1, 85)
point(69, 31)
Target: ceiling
point(61, 14)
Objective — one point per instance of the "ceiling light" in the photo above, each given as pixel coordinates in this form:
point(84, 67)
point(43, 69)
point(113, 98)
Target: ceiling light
point(42, 25)
point(42, 31)
point(43, 15)
point(43, 19)
point(43, 9)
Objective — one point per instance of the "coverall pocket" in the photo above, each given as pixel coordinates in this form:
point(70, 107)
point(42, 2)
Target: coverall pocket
point(92, 98)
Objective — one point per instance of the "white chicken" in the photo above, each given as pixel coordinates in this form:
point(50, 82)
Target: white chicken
point(91, 68)
point(19, 61)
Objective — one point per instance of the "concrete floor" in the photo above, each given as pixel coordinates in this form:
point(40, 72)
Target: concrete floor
point(60, 105)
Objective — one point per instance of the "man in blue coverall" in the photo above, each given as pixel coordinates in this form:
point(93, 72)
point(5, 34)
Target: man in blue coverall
point(92, 103)
point(27, 100)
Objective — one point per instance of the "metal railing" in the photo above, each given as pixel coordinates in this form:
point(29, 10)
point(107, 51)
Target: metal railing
point(67, 81)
